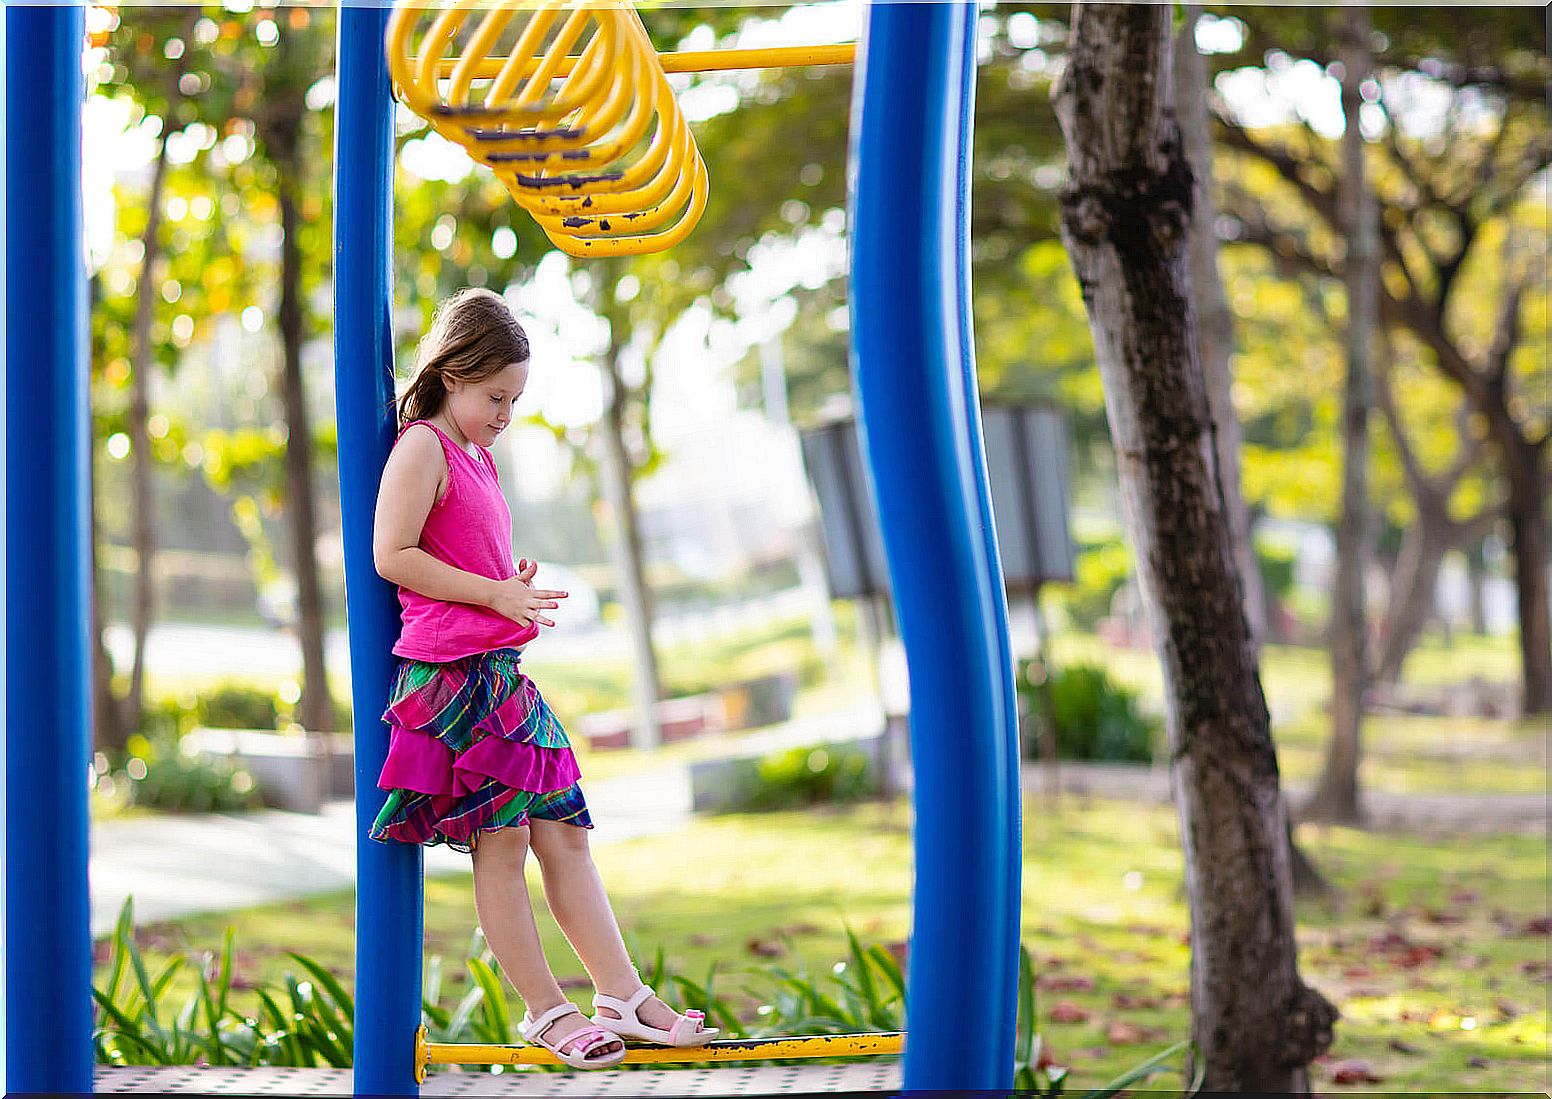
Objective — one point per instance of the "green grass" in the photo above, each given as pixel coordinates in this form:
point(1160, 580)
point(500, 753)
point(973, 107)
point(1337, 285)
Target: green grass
point(1103, 914)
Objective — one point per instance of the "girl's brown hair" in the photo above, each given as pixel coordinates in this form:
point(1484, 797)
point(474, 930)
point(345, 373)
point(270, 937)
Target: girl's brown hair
point(472, 336)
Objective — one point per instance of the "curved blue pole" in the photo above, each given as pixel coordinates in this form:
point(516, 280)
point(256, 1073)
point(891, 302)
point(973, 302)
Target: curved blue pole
point(48, 960)
point(1007, 745)
point(389, 910)
point(914, 369)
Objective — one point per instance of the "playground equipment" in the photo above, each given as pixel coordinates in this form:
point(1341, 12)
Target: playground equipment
point(913, 364)
point(591, 143)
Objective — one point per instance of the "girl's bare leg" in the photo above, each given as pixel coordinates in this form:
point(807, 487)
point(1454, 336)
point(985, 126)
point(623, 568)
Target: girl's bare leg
point(576, 896)
point(506, 917)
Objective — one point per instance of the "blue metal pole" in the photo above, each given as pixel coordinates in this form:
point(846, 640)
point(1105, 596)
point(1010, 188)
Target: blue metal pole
point(48, 958)
point(389, 910)
point(916, 390)
point(1005, 745)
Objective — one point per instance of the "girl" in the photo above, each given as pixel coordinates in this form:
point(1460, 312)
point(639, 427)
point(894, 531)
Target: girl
point(477, 760)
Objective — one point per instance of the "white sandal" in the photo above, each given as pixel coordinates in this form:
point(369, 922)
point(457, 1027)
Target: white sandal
point(533, 1030)
point(687, 1032)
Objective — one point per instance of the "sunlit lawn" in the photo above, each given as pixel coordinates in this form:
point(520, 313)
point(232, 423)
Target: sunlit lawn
point(1430, 948)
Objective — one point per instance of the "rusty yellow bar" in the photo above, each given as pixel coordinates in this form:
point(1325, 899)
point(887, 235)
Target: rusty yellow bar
point(753, 1049)
point(700, 61)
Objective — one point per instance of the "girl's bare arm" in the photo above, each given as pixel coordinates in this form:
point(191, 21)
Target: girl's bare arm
point(411, 482)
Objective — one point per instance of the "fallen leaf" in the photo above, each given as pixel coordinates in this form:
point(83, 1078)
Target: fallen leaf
point(765, 948)
point(1068, 1012)
point(1476, 1062)
point(804, 928)
point(1541, 925)
point(1122, 1033)
point(1354, 1072)
point(1065, 984)
point(1402, 1047)
point(1127, 1002)
point(702, 940)
point(1357, 972)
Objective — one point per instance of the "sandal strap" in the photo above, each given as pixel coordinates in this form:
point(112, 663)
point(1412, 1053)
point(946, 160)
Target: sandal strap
point(539, 1025)
point(593, 1036)
point(639, 997)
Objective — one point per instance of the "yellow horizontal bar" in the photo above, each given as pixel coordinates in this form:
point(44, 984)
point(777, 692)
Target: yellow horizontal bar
point(698, 61)
point(753, 1049)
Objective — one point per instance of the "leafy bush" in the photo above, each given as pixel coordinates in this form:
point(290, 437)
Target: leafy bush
point(160, 776)
point(1095, 717)
point(237, 706)
point(309, 1022)
point(821, 774)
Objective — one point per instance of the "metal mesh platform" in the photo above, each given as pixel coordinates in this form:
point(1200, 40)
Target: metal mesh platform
point(871, 1077)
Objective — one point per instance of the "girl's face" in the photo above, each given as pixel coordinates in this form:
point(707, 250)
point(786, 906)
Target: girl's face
point(482, 410)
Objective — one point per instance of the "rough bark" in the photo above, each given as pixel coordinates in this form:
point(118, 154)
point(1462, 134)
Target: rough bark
point(1125, 221)
point(1214, 321)
point(617, 476)
point(1336, 795)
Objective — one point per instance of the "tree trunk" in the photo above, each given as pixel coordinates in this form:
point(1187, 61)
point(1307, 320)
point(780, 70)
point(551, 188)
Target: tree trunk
point(617, 477)
point(1412, 590)
point(1215, 323)
point(317, 711)
point(1476, 581)
point(141, 494)
point(1527, 509)
point(1215, 350)
point(108, 730)
point(1336, 792)
point(1125, 220)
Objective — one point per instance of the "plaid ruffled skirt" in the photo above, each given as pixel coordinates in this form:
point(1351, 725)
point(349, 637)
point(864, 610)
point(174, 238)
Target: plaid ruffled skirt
point(473, 748)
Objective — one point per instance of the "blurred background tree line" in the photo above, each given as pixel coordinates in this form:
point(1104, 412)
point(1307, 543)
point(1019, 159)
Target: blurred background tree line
point(220, 256)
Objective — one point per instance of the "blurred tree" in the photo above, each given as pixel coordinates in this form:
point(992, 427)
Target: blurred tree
point(158, 64)
point(1336, 791)
point(1214, 320)
point(289, 52)
point(1448, 182)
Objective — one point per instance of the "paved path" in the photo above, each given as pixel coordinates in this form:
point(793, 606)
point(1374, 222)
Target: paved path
point(176, 865)
point(181, 865)
point(1420, 812)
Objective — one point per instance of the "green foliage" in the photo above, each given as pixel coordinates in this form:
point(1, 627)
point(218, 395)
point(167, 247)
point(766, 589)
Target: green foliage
point(1095, 717)
point(1103, 563)
point(302, 1025)
point(162, 777)
point(822, 774)
point(237, 706)
point(1275, 560)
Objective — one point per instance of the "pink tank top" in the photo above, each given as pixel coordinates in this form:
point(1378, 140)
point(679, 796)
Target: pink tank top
point(470, 528)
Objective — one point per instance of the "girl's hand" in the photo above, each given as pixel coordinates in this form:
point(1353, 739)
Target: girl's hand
point(520, 601)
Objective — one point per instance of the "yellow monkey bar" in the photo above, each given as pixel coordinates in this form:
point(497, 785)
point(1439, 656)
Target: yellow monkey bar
point(568, 104)
point(704, 61)
point(753, 1049)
